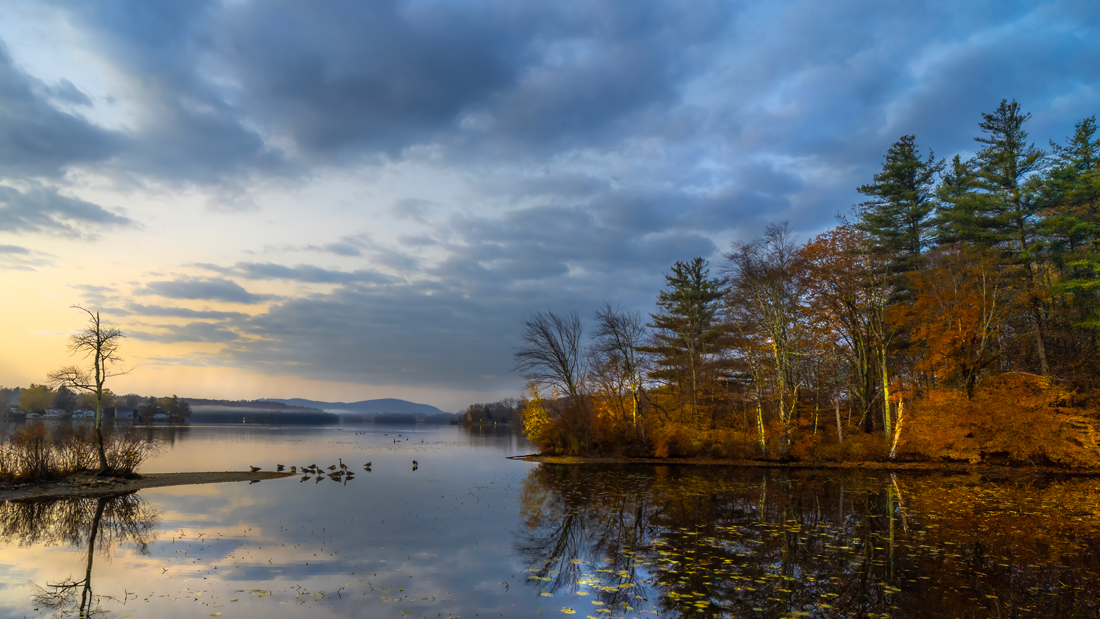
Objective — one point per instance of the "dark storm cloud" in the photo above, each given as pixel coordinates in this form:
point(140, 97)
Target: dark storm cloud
point(37, 139)
point(183, 312)
point(65, 91)
point(399, 336)
point(191, 332)
point(44, 210)
point(190, 127)
point(458, 327)
point(304, 273)
point(350, 78)
point(204, 289)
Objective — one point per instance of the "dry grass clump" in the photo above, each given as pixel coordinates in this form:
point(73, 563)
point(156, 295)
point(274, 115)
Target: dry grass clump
point(36, 452)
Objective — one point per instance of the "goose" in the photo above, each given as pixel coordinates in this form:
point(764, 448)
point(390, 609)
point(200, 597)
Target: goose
point(343, 467)
point(332, 468)
point(415, 463)
point(279, 468)
point(293, 470)
point(254, 468)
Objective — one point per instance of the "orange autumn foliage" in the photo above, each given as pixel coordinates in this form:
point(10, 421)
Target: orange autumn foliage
point(958, 317)
point(1019, 418)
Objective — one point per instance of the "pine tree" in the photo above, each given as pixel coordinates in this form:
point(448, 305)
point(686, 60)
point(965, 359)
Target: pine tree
point(898, 215)
point(1070, 197)
point(962, 213)
point(1002, 170)
point(686, 330)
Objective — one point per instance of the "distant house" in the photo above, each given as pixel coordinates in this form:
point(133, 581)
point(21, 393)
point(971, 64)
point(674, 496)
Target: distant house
point(160, 417)
point(54, 412)
point(124, 412)
point(84, 414)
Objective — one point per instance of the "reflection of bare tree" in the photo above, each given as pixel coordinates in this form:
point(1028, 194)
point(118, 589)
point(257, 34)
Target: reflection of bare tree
point(580, 538)
point(99, 524)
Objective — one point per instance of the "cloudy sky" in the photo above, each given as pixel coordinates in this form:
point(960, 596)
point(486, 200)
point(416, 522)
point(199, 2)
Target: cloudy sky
point(350, 200)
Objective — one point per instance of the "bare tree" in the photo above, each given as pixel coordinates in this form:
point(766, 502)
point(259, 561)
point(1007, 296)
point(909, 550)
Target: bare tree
point(618, 335)
point(768, 275)
point(551, 353)
point(100, 343)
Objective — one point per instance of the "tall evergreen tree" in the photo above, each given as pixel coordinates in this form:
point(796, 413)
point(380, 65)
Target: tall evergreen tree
point(686, 331)
point(898, 215)
point(1070, 197)
point(961, 217)
point(1003, 167)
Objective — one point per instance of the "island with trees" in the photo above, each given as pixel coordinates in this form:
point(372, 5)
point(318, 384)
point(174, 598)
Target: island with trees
point(954, 315)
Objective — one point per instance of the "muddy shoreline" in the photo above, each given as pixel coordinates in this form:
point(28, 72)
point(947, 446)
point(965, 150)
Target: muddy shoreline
point(87, 485)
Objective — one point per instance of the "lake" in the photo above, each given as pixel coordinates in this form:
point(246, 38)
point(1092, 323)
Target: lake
point(471, 533)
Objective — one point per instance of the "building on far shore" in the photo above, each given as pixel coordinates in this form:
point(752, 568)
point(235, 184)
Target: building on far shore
point(122, 412)
point(83, 414)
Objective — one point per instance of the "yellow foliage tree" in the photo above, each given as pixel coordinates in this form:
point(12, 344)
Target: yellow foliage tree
point(535, 415)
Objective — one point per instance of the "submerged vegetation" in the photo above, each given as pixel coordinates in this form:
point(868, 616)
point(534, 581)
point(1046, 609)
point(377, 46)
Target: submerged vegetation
point(955, 314)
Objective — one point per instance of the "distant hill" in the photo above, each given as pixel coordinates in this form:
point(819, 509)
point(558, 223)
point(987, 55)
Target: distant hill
point(365, 407)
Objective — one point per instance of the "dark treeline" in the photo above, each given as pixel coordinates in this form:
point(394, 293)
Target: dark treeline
point(263, 404)
point(952, 314)
point(504, 411)
point(293, 417)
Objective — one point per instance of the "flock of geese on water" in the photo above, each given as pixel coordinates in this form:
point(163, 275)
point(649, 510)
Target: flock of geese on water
point(336, 472)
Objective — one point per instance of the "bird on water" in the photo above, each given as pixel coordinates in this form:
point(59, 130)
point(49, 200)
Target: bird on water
point(254, 468)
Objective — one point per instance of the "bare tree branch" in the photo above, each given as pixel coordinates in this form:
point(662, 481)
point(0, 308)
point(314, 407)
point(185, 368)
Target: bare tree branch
point(551, 353)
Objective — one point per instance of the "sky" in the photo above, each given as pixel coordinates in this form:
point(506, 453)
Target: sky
point(354, 200)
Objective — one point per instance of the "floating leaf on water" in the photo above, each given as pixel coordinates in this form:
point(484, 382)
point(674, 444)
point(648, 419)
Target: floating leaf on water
point(546, 594)
point(568, 611)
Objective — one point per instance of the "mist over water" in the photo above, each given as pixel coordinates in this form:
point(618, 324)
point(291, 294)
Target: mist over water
point(470, 532)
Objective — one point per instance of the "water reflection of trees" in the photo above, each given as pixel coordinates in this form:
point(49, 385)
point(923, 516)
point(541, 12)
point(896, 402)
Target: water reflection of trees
point(95, 524)
point(779, 543)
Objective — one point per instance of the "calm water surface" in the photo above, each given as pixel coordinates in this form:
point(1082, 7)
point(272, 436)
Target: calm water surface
point(470, 533)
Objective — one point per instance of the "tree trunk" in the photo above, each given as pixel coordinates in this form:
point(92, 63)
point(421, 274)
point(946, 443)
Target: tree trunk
point(103, 468)
point(760, 426)
point(839, 431)
point(897, 431)
point(886, 422)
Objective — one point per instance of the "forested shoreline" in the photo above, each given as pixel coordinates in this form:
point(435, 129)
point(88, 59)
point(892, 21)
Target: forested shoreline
point(951, 315)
